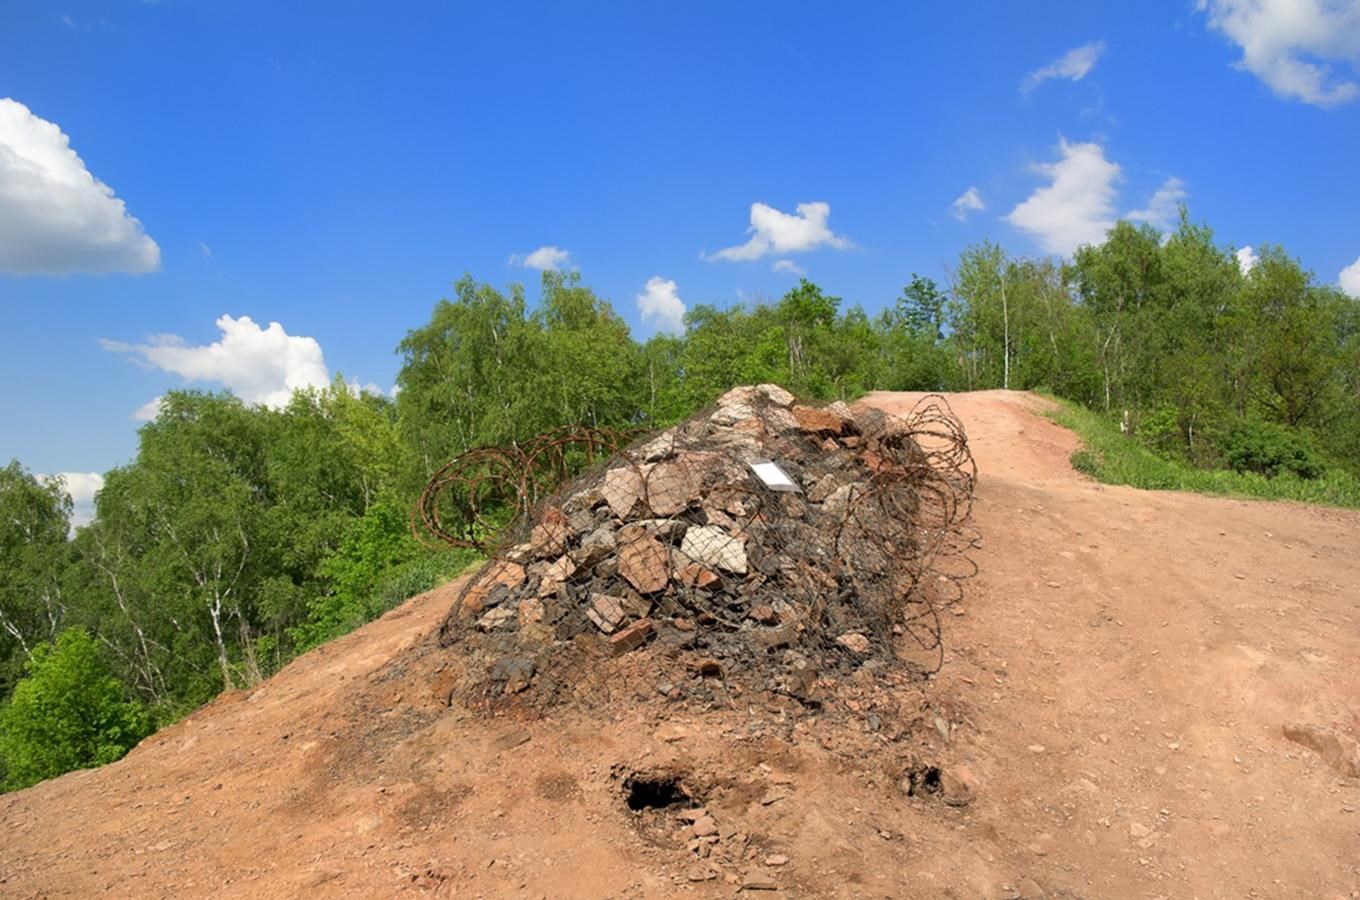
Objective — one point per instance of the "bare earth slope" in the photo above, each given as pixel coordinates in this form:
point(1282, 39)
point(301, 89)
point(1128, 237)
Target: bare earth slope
point(1118, 678)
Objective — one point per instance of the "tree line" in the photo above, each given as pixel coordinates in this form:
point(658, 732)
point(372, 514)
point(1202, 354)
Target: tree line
point(240, 536)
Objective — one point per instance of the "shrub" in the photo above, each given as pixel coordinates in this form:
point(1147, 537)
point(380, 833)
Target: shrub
point(1269, 449)
point(69, 712)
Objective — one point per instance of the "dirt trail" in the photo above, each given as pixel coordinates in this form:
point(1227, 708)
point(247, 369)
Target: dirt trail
point(1118, 677)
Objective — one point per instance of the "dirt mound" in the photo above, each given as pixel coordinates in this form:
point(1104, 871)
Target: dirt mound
point(762, 546)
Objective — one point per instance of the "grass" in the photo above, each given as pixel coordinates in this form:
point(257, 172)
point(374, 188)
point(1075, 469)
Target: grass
point(1111, 457)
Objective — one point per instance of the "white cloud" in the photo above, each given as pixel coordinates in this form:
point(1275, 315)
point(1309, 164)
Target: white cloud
point(967, 202)
point(1077, 206)
point(1288, 44)
point(55, 217)
point(204, 249)
point(82, 487)
point(1074, 65)
point(1247, 259)
point(1349, 279)
point(148, 411)
point(543, 259)
point(661, 306)
point(779, 233)
point(1164, 208)
point(259, 365)
point(788, 267)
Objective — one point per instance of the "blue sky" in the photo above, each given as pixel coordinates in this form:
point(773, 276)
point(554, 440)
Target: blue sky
point(333, 167)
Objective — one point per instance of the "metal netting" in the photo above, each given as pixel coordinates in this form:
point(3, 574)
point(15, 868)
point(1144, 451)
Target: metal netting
point(758, 546)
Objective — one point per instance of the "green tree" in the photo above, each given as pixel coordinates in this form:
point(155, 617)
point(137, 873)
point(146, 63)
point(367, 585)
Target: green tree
point(69, 712)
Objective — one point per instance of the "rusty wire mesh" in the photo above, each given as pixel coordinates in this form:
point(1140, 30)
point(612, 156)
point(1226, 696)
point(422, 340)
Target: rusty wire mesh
point(675, 546)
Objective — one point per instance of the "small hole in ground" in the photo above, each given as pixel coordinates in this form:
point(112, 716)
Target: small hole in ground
point(924, 780)
point(654, 792)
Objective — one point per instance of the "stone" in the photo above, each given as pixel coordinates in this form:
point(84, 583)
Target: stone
point(499, 572)
point(645, 564)
point(731, 414)
point(495, 618)
point(710, 546)
point(1029, 890)
point(658, 448)
point(780, 420)
point(560, 570)
point(764, 614)
point(958, 785)
point(693, 575)
point(549, 536)
point(758, 881)
point(825, 487)
point(855, 643)
point(668, 530)
point(515, 673)
point(606, 612)
point(818, 421)
point(704, 826)
point(693, 815)
point(775, 394)
point(511, 740)
point(776, 859)
point(670, 487)
point(595, 547)
point(622, 489)
point(632, 637)
point(701, 873)
point(1337, 750)
point(531, 611)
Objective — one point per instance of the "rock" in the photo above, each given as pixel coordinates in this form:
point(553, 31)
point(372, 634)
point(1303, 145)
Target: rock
point(658, 448)
point(515, 673)
point(855, 643)
point(712, 547)
point(510, 740)
point(1029, 889)
point(632, 637)
point(779, 420)
point(693, 575)
point(530, 611)
point(776, 859)
point(606, 612)
point(560, 570)
point(818, 421)
point(644, 563)
point(758, 881)
point(499, 572)
point(668, 530)
point(596, 546)
point(670, 487)
point(701, 873)
point(764, 614)
point(708, 667)
point(496, 618)
point(549, 536)
point(824, 487)
point(839, 501)
point(731, 414)
point(693, 815)
point(775, 394)
point(958, 785)
point(1138, 830)
point(1337, 750)
point(622, 489)
point(704, 826)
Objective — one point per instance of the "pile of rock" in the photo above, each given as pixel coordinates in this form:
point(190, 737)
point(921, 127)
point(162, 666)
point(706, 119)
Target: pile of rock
point(761, 543)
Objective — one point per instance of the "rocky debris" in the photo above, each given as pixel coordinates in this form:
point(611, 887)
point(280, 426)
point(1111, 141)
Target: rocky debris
point(1337, 750)
point(678, 543)
point(958, 785)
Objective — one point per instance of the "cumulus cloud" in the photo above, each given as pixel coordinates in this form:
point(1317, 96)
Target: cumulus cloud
point(776, 233)
point(1289, 44)
point(1074, 65)
point(661, 306)
point(1164, 208)
point(969, 201)
point(82, 486)
point(1247, 259)
point(1077, 206)
point(1349, 279)
point(259, 365)
point(788, 267)
point(55, 217)
point(543, 259)
point(149, 410)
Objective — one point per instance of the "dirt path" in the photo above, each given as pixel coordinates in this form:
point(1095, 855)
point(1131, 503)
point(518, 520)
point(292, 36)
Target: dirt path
point(1119, 674)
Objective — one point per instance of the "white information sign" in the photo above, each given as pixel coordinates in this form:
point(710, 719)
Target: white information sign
point(774, 478)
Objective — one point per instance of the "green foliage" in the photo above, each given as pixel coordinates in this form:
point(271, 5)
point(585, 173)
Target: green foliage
point(1112, 457)
point(1269, 449)
point(69, 712)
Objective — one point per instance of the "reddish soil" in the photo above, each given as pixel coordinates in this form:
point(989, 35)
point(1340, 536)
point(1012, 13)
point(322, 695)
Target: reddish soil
point(1118, 677)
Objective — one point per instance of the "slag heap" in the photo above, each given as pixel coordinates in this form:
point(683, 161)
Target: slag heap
point(688, 562)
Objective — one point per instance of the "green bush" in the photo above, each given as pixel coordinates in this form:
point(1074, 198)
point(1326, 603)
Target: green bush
point(1269, 449)
point(69, 712)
